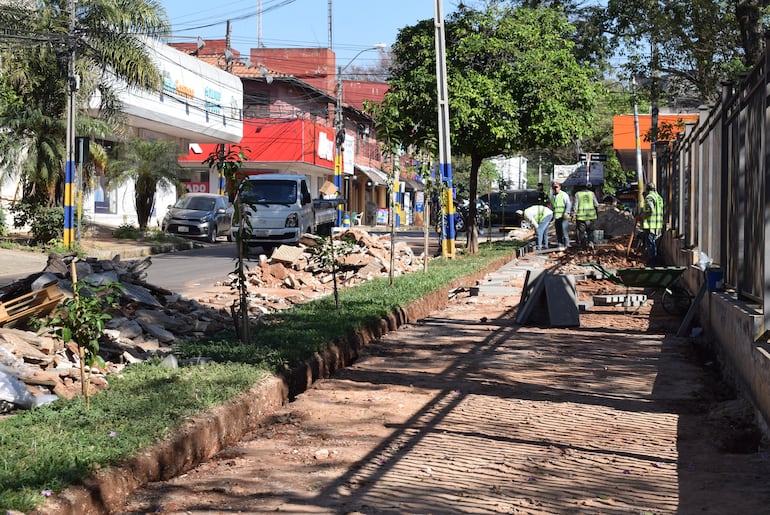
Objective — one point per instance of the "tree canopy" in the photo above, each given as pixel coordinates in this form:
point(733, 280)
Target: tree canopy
point(107, 41)
point(514, 82)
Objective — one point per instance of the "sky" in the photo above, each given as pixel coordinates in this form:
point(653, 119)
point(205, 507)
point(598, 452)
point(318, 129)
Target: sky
point(355, 24)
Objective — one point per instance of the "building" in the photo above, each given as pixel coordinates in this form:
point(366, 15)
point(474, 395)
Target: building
point(198, 103)
point(290, 105)
point(624, 138)
point(512, 172)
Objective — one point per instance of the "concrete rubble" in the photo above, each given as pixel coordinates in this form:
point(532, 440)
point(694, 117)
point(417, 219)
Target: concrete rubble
point(36, 368)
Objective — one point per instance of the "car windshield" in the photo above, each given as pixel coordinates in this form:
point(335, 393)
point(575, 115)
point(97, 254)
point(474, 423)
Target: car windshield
point(271, 192)
point(196, 203)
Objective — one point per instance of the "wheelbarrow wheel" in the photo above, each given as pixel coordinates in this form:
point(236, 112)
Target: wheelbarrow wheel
point(676, 300)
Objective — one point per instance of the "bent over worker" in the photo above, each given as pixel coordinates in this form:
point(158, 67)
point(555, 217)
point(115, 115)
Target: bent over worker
point(540, 217)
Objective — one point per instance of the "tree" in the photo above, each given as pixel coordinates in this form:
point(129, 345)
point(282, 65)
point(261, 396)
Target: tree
point(107, 35)
point(693, 44)
point(513, 81)
point(150, 164)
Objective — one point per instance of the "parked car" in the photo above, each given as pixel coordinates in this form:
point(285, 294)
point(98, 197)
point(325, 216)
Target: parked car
point(200, 215)
point(507, 209)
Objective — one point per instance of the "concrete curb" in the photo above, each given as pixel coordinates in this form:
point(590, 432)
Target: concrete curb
point(138, 251)
point(204, 436)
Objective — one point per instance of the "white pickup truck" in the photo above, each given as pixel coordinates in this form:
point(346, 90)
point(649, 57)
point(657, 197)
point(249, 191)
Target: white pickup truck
point(279, 210)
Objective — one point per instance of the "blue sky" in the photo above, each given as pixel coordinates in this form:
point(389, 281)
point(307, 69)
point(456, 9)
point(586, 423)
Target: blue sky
point(356, 24)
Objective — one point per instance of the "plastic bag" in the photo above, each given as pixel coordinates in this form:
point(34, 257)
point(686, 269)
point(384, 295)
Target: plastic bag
point(704, 261)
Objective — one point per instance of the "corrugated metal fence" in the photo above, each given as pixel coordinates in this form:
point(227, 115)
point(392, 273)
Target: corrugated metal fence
point(714, 179)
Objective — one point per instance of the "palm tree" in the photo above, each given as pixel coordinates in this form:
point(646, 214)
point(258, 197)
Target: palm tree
point(34, 76)
point(150, 164)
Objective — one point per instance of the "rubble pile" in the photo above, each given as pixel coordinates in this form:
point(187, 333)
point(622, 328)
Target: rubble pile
point(36, 368)
point(613, 221)
point(294, 274)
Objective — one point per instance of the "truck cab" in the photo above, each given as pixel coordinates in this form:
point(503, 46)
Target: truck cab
point(278, 209)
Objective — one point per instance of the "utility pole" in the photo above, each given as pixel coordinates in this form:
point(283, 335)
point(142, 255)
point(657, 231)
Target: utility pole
point(639, 169)
point(330, 24)
point(539, 168)
point(69, 146)
point(339, 141)
point(654, 114)
point(444, 150)
point(259, 23)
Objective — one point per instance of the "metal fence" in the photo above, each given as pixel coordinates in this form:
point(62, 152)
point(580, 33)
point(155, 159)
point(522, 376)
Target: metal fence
point(714, 179)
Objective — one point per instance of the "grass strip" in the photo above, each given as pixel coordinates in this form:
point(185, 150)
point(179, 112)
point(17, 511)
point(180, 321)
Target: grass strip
point(49, 448)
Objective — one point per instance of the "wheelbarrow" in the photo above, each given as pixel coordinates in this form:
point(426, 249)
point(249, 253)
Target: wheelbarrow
point(674, 297)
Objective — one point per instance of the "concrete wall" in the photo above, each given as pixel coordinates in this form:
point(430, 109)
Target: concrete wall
point(734, 329)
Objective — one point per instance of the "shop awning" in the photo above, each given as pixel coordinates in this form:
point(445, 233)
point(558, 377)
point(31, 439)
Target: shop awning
point(413, 185)
point(377, 177)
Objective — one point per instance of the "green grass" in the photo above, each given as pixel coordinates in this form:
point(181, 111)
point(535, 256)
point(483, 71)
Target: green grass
point(49, 448)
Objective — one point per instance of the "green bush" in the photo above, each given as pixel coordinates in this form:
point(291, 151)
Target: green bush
point(46, 223)
point(127, 232)
point(3, 225)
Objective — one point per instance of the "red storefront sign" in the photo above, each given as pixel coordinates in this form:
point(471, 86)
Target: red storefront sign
point(279, 140)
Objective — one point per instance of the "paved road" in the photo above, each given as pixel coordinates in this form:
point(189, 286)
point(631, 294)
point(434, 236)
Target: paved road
point(17, 264)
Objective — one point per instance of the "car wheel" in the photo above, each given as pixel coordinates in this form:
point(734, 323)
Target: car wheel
point(212, 235)
point(230, 235)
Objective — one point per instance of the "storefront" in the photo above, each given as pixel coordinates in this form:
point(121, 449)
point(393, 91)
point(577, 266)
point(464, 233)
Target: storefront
point(199, 103)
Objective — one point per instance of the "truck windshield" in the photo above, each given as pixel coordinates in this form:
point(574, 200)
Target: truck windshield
point(271, 192)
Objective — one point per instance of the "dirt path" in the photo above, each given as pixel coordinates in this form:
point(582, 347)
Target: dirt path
point(466, 412)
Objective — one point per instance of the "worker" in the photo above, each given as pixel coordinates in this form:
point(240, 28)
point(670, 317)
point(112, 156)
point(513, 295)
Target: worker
point(585, 213)
point(562, 207)
point(651, 219)
point(540, 217)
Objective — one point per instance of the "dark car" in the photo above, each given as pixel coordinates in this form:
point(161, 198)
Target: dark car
point(200, 215)
point(462, 212)
point(506, 208)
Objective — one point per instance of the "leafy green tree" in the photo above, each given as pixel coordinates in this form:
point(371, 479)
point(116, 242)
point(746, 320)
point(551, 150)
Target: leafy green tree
point(228, 161)
point(149, 164)
point(107, 35)
point(692, 45)
point(513, 79)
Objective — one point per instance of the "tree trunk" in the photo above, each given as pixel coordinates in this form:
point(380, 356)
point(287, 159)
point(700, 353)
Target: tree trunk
point(144, 198)
point(748, 14)
point(473, 188)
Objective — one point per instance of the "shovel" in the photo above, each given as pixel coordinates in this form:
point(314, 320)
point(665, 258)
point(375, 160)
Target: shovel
point(631, 238)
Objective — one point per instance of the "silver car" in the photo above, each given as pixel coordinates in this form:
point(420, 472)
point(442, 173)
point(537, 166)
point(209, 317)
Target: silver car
point(200, 215)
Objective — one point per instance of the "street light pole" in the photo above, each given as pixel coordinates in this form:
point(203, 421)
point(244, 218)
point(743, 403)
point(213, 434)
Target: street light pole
point(339, 124)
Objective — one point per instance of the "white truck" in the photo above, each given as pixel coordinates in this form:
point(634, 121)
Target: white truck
point(278, 210)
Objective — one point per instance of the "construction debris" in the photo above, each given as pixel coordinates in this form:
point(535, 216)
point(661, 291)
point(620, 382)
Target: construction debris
point(36, 368)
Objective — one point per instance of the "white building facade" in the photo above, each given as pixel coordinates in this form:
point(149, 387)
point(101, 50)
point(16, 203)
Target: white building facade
point(199, 103)
point(512, 171)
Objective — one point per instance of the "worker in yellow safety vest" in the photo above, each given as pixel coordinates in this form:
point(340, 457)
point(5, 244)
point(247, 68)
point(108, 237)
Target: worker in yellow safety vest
point(586, 207)
point(562, 208)
point(652, 222)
